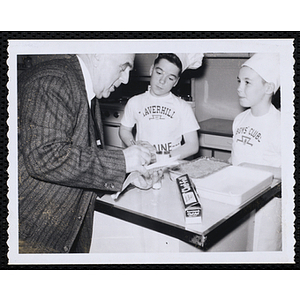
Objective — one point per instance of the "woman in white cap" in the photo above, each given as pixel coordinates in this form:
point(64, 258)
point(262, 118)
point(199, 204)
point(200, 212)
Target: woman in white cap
point(163, 119)
point(256, 138)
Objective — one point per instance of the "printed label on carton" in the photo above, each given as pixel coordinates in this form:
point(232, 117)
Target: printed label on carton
point(190, 197)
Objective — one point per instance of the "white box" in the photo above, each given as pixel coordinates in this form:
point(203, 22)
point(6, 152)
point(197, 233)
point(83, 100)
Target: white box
point(233, 185)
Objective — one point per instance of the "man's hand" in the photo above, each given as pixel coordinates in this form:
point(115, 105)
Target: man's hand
point(136, 157)
point(146, 181)
point(150, 148)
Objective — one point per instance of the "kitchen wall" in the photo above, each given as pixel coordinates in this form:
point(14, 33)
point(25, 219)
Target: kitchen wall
point(213, 85)
point(214, 88)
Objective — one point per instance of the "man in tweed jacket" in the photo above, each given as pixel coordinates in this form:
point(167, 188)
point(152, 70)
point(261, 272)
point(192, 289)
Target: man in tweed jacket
point(60, 165)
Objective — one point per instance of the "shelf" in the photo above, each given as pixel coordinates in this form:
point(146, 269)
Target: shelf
point(227, 55)
point(215, 126)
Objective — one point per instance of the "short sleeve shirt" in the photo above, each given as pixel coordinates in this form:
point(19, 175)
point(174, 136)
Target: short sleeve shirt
point(160, 120)
point(257, 139)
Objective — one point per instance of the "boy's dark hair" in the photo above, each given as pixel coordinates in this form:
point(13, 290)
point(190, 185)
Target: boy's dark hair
point(172, 58)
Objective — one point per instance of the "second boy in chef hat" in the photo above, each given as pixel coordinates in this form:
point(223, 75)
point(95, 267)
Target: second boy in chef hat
point(256, 138)
point(257, 130)
point(163, 119)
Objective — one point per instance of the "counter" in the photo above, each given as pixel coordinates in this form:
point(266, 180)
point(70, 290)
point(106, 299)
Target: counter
point(157, 216)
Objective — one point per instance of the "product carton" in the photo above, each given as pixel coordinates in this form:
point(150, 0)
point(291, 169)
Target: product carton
point(190, 198)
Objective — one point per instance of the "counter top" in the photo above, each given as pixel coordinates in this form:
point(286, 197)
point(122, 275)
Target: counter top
point(216, 126)
point(162, 211)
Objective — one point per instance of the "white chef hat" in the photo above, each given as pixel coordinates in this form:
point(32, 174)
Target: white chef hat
point(266, 65)
point(190, 60)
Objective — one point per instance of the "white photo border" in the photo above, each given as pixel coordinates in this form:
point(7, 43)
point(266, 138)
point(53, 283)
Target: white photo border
point(282, 46)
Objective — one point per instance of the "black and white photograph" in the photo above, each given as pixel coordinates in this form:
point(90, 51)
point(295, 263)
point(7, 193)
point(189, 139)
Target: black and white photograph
point(151, 151)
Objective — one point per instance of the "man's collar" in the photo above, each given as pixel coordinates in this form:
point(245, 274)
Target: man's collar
point(87, 80)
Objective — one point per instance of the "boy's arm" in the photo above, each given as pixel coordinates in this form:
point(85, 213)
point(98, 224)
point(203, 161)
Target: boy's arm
point(126, 135)
point(190, 147)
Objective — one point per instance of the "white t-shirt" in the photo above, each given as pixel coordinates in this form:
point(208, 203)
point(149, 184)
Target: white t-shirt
point(256, 140)
point(160, 120)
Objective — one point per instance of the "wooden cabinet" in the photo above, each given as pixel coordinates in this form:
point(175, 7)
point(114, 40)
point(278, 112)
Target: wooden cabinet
point(215, 138)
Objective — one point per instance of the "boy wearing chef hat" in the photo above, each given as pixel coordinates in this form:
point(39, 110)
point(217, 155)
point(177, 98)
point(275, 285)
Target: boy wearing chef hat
point(257, 130)
point(256, 138)
point(161, 118)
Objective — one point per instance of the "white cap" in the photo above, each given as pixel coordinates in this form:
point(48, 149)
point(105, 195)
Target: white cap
point(266, 65)
point(190, 60)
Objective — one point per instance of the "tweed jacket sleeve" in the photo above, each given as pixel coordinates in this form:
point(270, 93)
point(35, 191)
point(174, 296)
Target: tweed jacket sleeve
point(56, 136)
